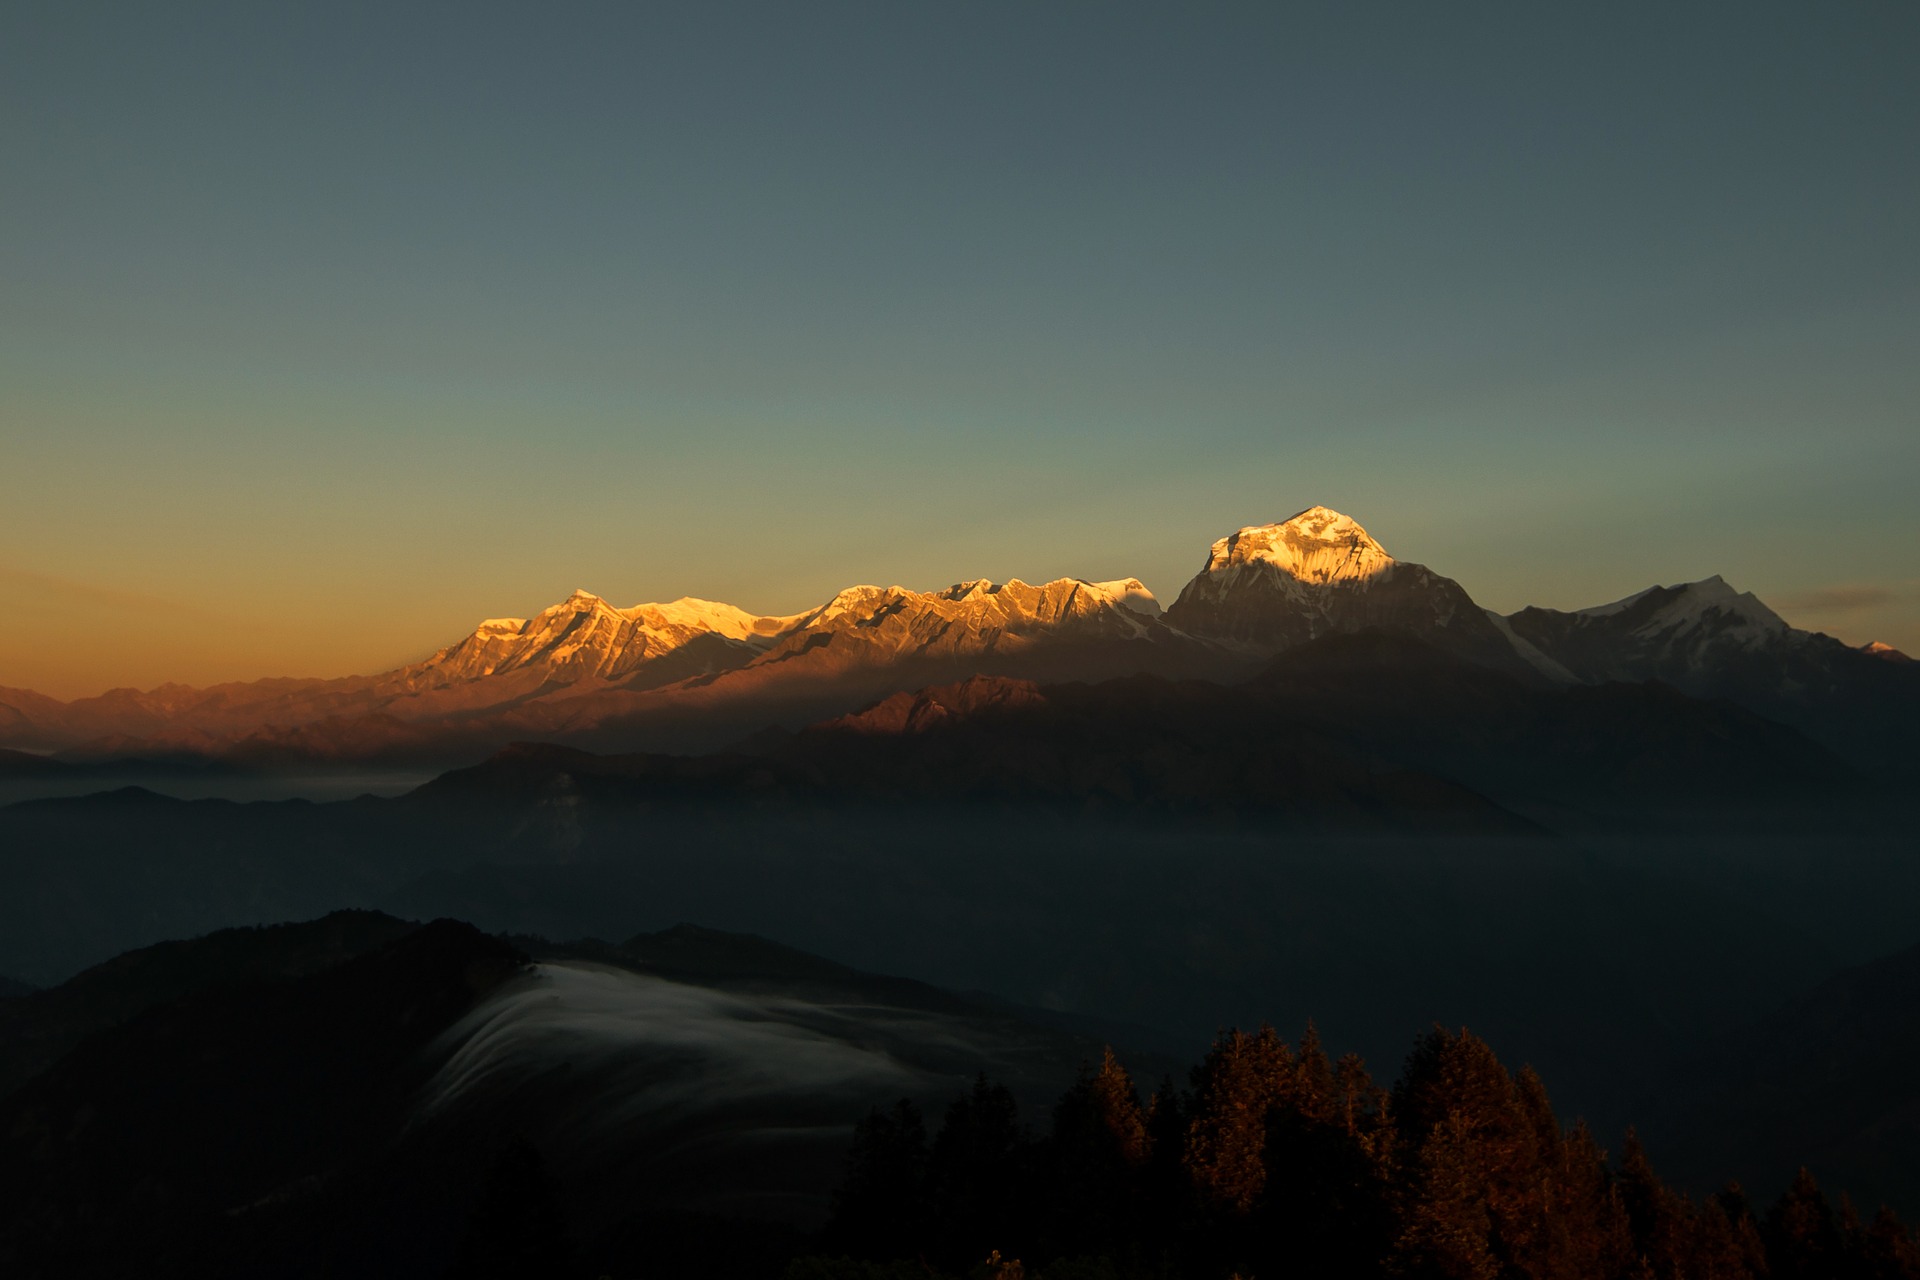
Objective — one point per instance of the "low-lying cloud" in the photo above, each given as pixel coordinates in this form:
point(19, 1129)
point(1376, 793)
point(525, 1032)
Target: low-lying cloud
point(724, 1099)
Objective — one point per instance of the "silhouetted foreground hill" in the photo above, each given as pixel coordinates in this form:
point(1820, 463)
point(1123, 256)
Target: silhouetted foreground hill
point(435, 1102)
point(199, 1134)
point(38, 1032)
point(328, 1098)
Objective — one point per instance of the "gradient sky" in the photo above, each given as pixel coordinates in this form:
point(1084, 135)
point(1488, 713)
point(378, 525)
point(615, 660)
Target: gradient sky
point(328, 330)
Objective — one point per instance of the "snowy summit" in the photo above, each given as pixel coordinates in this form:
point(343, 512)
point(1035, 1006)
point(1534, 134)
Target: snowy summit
point(1318, 545)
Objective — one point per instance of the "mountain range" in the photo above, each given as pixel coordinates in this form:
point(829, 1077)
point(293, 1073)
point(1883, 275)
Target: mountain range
point(697, 675)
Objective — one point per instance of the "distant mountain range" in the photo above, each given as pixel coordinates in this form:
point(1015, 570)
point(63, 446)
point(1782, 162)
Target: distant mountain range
point(696, 675)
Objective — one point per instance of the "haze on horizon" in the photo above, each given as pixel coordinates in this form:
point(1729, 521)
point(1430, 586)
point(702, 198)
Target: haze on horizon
point(327, 331)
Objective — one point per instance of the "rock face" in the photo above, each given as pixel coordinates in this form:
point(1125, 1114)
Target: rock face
point(1270, 588)
point(1710, 641)
point(931, 708)
point(1677, 634)
point(877, 626)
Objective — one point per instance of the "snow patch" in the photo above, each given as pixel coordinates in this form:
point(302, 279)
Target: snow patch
point(1527, 650)
point(1130, 594)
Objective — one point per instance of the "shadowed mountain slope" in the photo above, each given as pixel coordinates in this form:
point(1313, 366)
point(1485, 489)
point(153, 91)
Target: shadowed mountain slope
point(1581, 753)
point(1710, 641)
point(1140, 745)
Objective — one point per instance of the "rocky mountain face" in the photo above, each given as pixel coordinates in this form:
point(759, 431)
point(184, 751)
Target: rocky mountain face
point(695, 674)
point(1270, 588)
point(584, 637)
point(1711, 641)
point(1680, 635)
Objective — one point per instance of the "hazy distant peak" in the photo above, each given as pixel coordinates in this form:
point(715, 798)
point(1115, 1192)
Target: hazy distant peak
point(1318, 545)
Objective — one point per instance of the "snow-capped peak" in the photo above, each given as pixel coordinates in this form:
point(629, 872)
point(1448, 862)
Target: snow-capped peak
point(1318, 545)
point(975, 588)
point(1131, 593)
point(1690, 603)
point(696, 614)
point(581, 601)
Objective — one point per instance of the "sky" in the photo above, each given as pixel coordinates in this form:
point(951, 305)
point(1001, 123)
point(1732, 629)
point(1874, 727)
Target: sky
point(327, 331)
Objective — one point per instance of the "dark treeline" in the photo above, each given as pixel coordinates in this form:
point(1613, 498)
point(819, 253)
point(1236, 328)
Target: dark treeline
point(1276, 1161)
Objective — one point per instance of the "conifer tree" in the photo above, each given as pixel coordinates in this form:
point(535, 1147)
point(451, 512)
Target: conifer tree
point(1713, 1247)
point(1752, 1250)
point(1316, 1095)
point(1656, 1216)
point(1582, 1230)
point(1469, 1160)
point(977, 1184)
point(1324, 1207)
point(1242, 1077)
point(1164, 1182)
point(1096, 1155)
point(1361, 1111)
point(1118, 1106)
point(1891, 1250)
point(1446, 1227)
point(1803, 1241)
point(881, 1208)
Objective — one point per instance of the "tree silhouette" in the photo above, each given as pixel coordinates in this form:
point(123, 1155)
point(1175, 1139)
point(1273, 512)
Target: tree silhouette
point(882, 1204)
point(518, 1230)
point(977, 1175)
point(1278, 1162)
point(1803, 1240)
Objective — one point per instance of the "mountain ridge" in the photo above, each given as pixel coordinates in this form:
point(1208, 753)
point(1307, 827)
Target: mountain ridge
point(694, 674)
